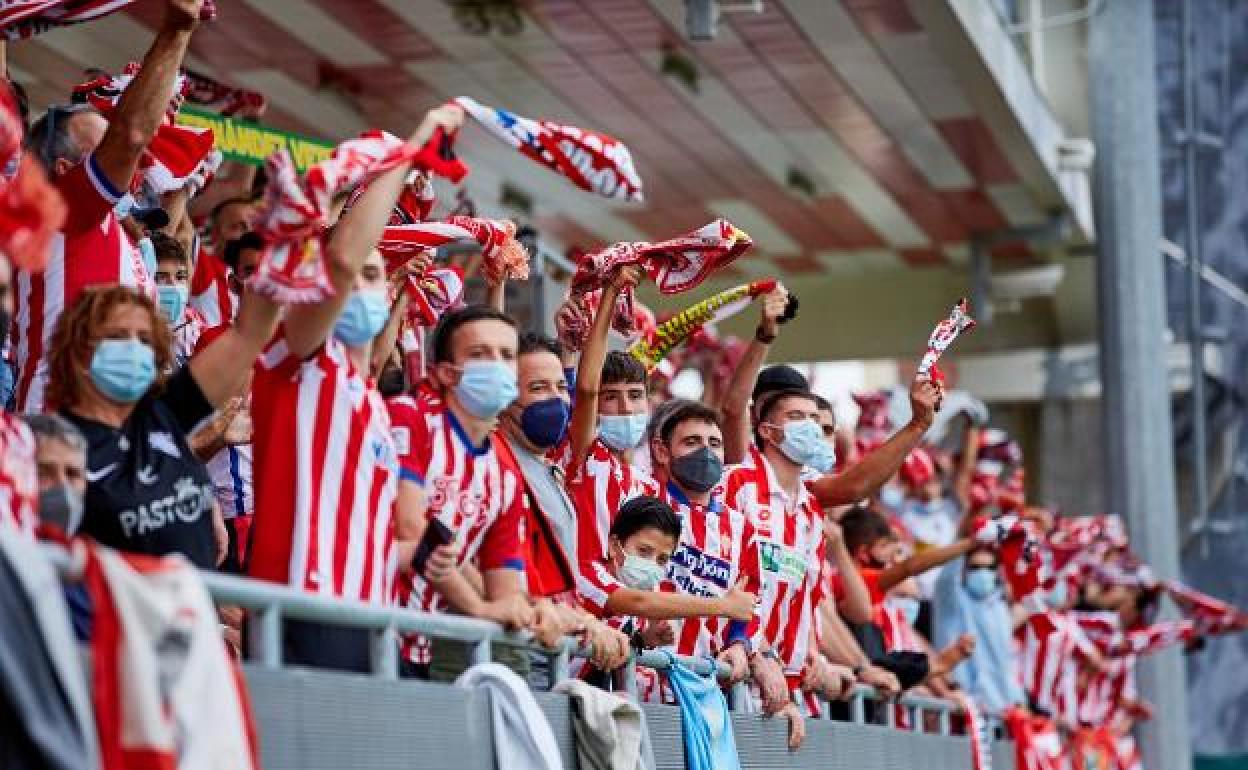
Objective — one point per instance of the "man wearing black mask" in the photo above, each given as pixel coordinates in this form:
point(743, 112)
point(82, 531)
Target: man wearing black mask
point(717, 550)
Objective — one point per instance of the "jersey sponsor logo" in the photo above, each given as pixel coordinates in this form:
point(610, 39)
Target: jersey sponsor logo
point(147, 476)
point(402, 439)
point(95, 475)
point(186, 505)
point(700, 565)
point(785, 563)
point(164, 442)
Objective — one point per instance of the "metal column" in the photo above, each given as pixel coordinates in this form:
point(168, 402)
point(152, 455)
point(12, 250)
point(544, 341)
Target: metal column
point(1195, 231)
point(1139, 455)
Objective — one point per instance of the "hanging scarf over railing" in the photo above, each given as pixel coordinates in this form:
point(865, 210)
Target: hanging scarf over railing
point(295, 214)
point(592, 161)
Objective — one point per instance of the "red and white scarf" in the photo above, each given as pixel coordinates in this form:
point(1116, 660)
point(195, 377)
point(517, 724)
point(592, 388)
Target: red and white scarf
point(296, 211)
point(593, 161)
point(502, 256)
point(433, 294)
point(675, 265)
point(165, 690)
point(31, 209)
point(212, 94)
point(175, 152)
point(943, 335)
point(1037, 742)
point(20, 19)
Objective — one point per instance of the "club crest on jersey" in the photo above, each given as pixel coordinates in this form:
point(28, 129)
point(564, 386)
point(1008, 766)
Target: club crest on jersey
point(164, 442)
point(702, 565)
point(402, 439)
point(445, 498)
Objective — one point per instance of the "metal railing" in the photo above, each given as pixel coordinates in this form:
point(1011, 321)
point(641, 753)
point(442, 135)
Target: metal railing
point(269, 603)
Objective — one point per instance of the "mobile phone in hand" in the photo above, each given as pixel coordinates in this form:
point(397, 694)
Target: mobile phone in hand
point(436, 534)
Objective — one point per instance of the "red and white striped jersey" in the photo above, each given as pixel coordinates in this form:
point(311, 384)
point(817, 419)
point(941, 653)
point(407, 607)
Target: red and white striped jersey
point(90, 250)
point(19, 486)
point(899, 635)
point(598, 487)
point(326, 475)
point(791, 556)
point(210, 289)
point(475, 491)
point(717, 549)
point(1051, 644)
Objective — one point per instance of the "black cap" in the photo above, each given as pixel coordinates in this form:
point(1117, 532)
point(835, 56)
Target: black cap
point(153, 218)
point(234, 248)
point(779, 377)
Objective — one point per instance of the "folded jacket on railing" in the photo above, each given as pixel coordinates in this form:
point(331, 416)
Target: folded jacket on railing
point(610, 731)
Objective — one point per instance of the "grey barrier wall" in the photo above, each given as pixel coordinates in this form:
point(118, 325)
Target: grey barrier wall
point(320, 720)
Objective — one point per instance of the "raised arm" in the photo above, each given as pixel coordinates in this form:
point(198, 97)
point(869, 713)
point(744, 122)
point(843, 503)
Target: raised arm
point(857, 602)
point(143, 104)
point(222, 368)
point(921, 562)
point(589, 370)
point(734, 405)
point(353, 239)
point(869, 474)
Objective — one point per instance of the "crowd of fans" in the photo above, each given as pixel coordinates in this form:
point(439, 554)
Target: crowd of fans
point(359, 447)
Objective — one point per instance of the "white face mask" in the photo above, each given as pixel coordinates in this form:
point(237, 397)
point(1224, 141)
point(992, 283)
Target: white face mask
point(640, 574)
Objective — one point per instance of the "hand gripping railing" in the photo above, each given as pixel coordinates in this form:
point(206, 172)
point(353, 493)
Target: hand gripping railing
point(270, 602)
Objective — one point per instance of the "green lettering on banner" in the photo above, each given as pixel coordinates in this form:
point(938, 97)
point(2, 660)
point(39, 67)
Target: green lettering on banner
point(253, 143)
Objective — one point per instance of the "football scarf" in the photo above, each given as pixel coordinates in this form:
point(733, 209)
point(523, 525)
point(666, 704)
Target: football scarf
point(211, 94)
point(434, 293)
point(591, 160)
point(1037, 742)
point(21, 19)
point(295, 213)
point(943, 335)
point(675, 265)
point(175, 152)
point(502, 256)
point(654, 346)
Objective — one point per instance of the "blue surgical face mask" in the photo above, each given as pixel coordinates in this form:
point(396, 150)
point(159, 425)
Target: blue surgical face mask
point(545, 422)
point(892, 496)
point(123, 370)
point(981, 582)
point(909, 607)
point(1057, 597)
point(640, 574)
point(825, 459)
point(622, 432)
point(172, 300)
point(123, 206)
point(362, 318)
point(803, 442)
point(148, 252)
point(486, 388)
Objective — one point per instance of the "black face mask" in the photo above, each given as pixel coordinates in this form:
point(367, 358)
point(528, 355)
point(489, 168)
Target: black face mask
point(698, 471)
point(392, 382)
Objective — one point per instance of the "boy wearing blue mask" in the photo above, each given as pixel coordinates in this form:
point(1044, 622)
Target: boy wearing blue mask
point(173, 290)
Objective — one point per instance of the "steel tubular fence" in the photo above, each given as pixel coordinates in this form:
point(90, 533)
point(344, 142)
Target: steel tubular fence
point(270, 603)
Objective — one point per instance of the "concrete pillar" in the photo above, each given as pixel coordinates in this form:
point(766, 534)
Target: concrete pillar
point(1138, 445)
